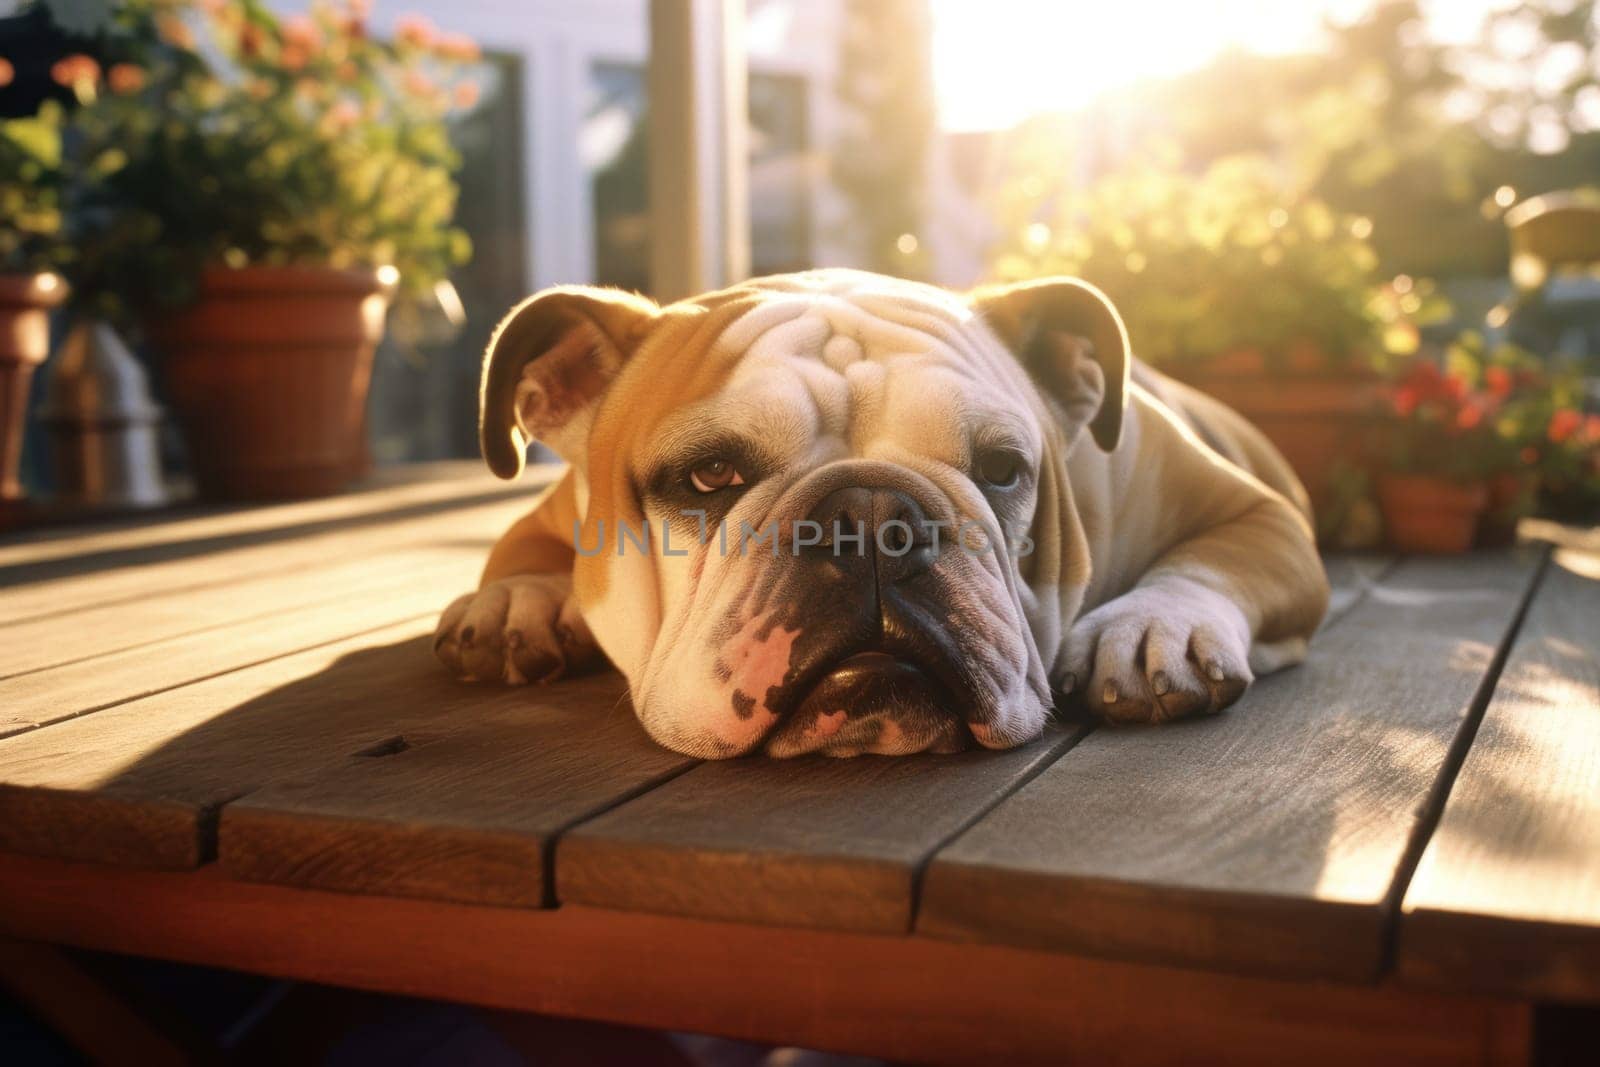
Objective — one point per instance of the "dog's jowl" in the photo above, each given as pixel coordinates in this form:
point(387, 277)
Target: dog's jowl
point(836, 512)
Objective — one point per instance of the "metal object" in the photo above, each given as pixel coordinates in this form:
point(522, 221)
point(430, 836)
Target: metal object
point(102, 425)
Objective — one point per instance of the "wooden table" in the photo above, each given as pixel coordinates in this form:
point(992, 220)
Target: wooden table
point(223, 739)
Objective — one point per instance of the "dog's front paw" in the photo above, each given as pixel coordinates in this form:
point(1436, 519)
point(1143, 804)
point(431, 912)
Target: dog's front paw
point(1159, 653)
point(516, 630)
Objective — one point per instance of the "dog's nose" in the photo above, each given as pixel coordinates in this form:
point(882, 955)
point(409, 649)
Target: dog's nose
point(874, 524)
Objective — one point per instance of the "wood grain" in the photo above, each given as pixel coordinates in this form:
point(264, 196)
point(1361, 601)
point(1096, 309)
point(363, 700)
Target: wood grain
point(469, 816)
point(142, 783)
point(119, 583)
point(1507, 894)
point(906, 999)
point(43, 643)
point(294, 615)
point(1266, 839)
point(412, 490)
point(821, 842)
point(825, 843)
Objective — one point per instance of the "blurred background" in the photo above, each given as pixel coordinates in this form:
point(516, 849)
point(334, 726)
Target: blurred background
point(1368, 224)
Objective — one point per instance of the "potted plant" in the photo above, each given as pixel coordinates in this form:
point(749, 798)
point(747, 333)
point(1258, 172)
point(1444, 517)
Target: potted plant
point(1266, 299)
point(1442, 449)
point(254, 189)
point(30, 250)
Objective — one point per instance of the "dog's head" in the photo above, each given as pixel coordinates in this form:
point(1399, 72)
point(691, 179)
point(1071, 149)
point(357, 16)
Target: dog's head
point(824, 512)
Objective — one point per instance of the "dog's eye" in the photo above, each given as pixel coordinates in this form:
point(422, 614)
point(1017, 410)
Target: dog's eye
point(717, 474)
point(999, 467)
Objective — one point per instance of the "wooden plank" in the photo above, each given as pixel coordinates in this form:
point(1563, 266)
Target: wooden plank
point(137, 582)
point(825, 843)
point(1351, 577)
point(830, 843)
point(83, 1011)
point(905, 999)
point(57, 640)
point(1266, 839)
point(412, 489)
point(1507, 894)
point(470, 816)
point(142, 783)
point(416, 587)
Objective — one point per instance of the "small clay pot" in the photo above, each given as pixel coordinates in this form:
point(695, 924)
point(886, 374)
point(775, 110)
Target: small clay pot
point(268, 372)
point(25, 303)
point(1424, 513)
point(1320, 422)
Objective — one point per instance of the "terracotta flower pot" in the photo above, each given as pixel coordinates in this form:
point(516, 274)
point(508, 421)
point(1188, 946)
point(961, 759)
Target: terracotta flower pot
point(1423, 513)
point(25, 303)
point(268, 372)
point(1320, 421)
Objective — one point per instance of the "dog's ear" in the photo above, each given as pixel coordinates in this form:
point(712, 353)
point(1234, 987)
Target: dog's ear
point(548, 364)
point(1072, 341)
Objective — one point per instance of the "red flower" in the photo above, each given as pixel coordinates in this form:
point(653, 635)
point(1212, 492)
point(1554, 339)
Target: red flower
point(1498, 380)
point(1591, 430)
point(1529, 455)
point(1405, 400)
point(1469, 416)
point(7, 72)
point(1563, 424)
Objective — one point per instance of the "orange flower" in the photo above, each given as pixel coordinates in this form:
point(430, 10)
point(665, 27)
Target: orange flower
point(419, 84)
point(125, 78)
point(466, 95)
point(292, 58)
point(1563, 424)
point(301, 33)
point(347, 71)
point(459, 47)
point(1591, 430)
point(8, 73)
point(343, 115)
point(74, 70)
point(414, 30)
point(175, 32)
point(1498, 381)
point(1469, 416)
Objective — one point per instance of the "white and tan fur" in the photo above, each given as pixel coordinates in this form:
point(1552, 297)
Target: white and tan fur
point(1171, 556)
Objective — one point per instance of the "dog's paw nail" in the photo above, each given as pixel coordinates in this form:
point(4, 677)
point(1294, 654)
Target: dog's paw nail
point(1214, 671)
point(1161, 683)
point(1110, 693)
point(467, 634)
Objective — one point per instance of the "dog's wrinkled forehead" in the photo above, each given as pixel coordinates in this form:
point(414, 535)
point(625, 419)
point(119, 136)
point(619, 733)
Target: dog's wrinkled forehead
point(874, 358)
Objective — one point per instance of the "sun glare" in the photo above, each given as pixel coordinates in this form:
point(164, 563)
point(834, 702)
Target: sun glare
point(997, 62)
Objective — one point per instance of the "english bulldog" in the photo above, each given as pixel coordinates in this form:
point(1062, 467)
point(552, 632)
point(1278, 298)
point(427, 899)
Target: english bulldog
point(835, 512)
